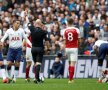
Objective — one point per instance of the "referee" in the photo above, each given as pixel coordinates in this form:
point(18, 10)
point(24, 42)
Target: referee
point(38, 35)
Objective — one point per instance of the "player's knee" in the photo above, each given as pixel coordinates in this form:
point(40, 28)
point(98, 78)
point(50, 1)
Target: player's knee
point(29, 63)
point(72, 63)
point(9, 63)
point(1, 63)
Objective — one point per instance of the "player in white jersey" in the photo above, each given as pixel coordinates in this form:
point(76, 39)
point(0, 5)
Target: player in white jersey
point(15, 35)
point(101, 49)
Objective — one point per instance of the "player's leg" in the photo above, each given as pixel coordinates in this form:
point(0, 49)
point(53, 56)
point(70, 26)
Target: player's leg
point(10, 61)
point(106, 69)
point(34, 55)
point(2, 66)
point(100, 63)
point(3, 72)
point(38, 66)
point(105, 72)
point(16, 71)
point(28, 63)
point(107, 62)
point(106, 57)
point(41, 76)
point(72, 56)
point(9, 65)
point(18, 58)
point(101, 56)
point(71, 70)
point(37, 54)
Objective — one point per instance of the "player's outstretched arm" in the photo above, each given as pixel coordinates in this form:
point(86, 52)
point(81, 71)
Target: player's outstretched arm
point(95, 48)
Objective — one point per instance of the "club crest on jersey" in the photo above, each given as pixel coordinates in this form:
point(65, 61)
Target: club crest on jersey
point(15, 39)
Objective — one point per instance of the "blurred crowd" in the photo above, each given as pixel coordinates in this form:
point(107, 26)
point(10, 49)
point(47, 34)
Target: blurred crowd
point(90, 16)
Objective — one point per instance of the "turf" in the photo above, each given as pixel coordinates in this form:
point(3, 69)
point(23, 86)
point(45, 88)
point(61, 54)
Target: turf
point(55, 84)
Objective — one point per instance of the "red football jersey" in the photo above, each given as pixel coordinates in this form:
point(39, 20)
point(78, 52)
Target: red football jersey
point(27, 45)
point(71, 37)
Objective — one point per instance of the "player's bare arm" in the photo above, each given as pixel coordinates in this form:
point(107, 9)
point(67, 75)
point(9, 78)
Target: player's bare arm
point(79, 42)
point(1, 45)
point(24, 45)
point(96, 50)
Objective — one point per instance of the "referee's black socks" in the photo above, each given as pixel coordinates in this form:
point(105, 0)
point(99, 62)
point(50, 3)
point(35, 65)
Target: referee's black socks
point(2, 66)
point(8, 68)
point(37, 72)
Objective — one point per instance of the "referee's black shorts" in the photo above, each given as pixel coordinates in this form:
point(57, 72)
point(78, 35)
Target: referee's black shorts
point(37, 54)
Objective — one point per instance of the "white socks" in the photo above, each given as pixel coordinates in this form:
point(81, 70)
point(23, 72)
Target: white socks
point(3, 71)
point(100, 72)
point(16, 73)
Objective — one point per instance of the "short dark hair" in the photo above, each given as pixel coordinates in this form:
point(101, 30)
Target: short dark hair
point(59, 54)
point(16, 20)
point(70, 20)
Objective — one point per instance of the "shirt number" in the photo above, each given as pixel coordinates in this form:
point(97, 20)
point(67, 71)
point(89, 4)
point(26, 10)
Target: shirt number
point(70, 36)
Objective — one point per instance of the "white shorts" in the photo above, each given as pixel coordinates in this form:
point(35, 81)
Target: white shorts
point(28, 54)
point(72, 54)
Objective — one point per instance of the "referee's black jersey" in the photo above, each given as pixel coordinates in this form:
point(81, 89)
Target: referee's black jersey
point(37, 36)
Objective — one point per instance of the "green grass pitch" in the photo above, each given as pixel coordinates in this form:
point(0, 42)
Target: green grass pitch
point(55, 84)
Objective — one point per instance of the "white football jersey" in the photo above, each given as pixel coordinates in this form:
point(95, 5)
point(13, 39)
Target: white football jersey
point(99, 42)
point(27, 31)
point(15, 37)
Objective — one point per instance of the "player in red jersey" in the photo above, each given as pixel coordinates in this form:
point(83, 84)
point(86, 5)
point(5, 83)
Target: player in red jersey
point(28, 55)
point(71, 37)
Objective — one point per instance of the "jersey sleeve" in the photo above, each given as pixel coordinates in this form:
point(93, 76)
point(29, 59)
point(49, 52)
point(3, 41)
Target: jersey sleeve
point(95, 45)
point(5, 36)
point(64, 35)
point(78, 33)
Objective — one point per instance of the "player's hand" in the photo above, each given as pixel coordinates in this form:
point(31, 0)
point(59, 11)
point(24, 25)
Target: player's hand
point(1, 45)
point(23, 48)
point(31, 46)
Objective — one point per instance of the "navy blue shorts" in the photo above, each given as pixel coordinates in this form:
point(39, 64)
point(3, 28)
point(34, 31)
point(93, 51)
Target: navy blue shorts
point(103, 51)
point(1, 57)
point(14, 54)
